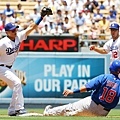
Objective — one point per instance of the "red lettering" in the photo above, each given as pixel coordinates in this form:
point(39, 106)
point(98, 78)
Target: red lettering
point(55, 44)
point(49, 45)
point(41, 44)
point(29, 44)
point(68, 43)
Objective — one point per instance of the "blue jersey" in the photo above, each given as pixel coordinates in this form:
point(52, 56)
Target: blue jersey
point(106, 90)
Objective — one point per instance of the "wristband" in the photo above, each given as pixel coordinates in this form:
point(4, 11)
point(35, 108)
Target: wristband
point(76, 91)
point(38, 21)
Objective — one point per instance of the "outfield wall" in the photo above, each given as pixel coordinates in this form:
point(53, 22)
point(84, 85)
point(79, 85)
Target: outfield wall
point(44, 76)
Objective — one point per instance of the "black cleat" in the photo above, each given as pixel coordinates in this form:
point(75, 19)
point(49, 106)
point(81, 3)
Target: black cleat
point(13, 114)
point(18, 112)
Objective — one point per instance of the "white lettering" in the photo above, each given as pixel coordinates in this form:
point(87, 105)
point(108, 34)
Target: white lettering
point(69, 69)
point(47, 85)
point(54, 71)
point(82, 82)
point(74, 84)
point(63, 71)
point(47, 69)
point(38, 85)
point(83, 71)
point(67, 84)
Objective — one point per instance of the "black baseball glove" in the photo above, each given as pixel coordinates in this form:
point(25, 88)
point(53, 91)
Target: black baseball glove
point(46, 11)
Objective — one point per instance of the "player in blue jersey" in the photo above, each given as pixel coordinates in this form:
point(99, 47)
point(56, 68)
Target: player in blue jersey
point(105, 96)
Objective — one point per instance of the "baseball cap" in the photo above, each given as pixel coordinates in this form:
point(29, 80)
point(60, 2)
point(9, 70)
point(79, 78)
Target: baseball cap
point(10, 26)
point(115, 66)
point(114, 26)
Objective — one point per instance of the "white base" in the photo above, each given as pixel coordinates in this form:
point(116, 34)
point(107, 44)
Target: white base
point(30, 114)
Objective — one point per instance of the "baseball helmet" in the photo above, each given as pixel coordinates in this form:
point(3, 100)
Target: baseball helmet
point(115, 66)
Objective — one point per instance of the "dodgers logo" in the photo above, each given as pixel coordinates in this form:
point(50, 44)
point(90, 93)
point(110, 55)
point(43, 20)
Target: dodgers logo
point(113, 25)
point(10, 51)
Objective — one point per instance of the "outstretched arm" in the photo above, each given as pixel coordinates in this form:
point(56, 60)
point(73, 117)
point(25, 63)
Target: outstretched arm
point(45, 11)
point(70, 92)
point(98, 49)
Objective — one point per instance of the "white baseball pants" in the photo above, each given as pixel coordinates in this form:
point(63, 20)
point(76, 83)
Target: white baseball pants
point(17, 101)
point(83, 107)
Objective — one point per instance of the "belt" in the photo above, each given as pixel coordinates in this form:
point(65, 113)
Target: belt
point(6, 66)
point(107, 109)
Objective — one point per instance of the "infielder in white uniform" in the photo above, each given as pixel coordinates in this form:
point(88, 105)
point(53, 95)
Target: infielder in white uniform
point(9, 47)
point(113, 45)
point(104, 97)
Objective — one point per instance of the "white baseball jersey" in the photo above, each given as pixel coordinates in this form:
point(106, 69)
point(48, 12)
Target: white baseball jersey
point(9, 49)
point(8, 53)
point(114, 48)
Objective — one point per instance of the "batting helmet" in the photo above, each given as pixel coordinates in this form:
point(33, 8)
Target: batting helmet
point(115, 66)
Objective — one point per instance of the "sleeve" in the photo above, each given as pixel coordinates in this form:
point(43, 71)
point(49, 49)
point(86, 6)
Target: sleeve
point(22, 35)
point(2, 48)
point(95, 82)
point(106, 47)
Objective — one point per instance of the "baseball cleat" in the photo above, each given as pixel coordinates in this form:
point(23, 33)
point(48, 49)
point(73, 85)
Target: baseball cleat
point(45, 113)
point(12, 114)
point(18, 112)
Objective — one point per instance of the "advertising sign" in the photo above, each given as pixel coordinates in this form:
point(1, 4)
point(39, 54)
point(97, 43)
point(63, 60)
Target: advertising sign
point(50, 44)
point(47, 75)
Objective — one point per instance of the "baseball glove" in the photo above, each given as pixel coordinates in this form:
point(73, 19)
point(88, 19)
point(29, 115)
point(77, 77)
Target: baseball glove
point(46, 11)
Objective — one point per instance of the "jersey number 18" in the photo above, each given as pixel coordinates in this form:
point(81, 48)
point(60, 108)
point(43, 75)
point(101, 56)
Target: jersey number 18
point(108, 95)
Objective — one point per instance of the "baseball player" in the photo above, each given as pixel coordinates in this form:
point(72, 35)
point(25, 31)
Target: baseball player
point(113, 45)
point(105, 96)
point(9, 47)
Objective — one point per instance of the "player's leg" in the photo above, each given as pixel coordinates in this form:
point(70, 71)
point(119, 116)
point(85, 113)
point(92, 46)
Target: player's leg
point(81, 108)
point(87, 107)
point(17, 102)
point(57, 111)
point(72, 108)
point(98, 110)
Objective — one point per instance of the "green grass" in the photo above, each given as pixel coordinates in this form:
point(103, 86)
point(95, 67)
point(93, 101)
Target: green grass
point(113, 115)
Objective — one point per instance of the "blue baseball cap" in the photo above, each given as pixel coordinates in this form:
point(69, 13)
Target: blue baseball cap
point(115, 66)
point(114, 26)
point(10, 26)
